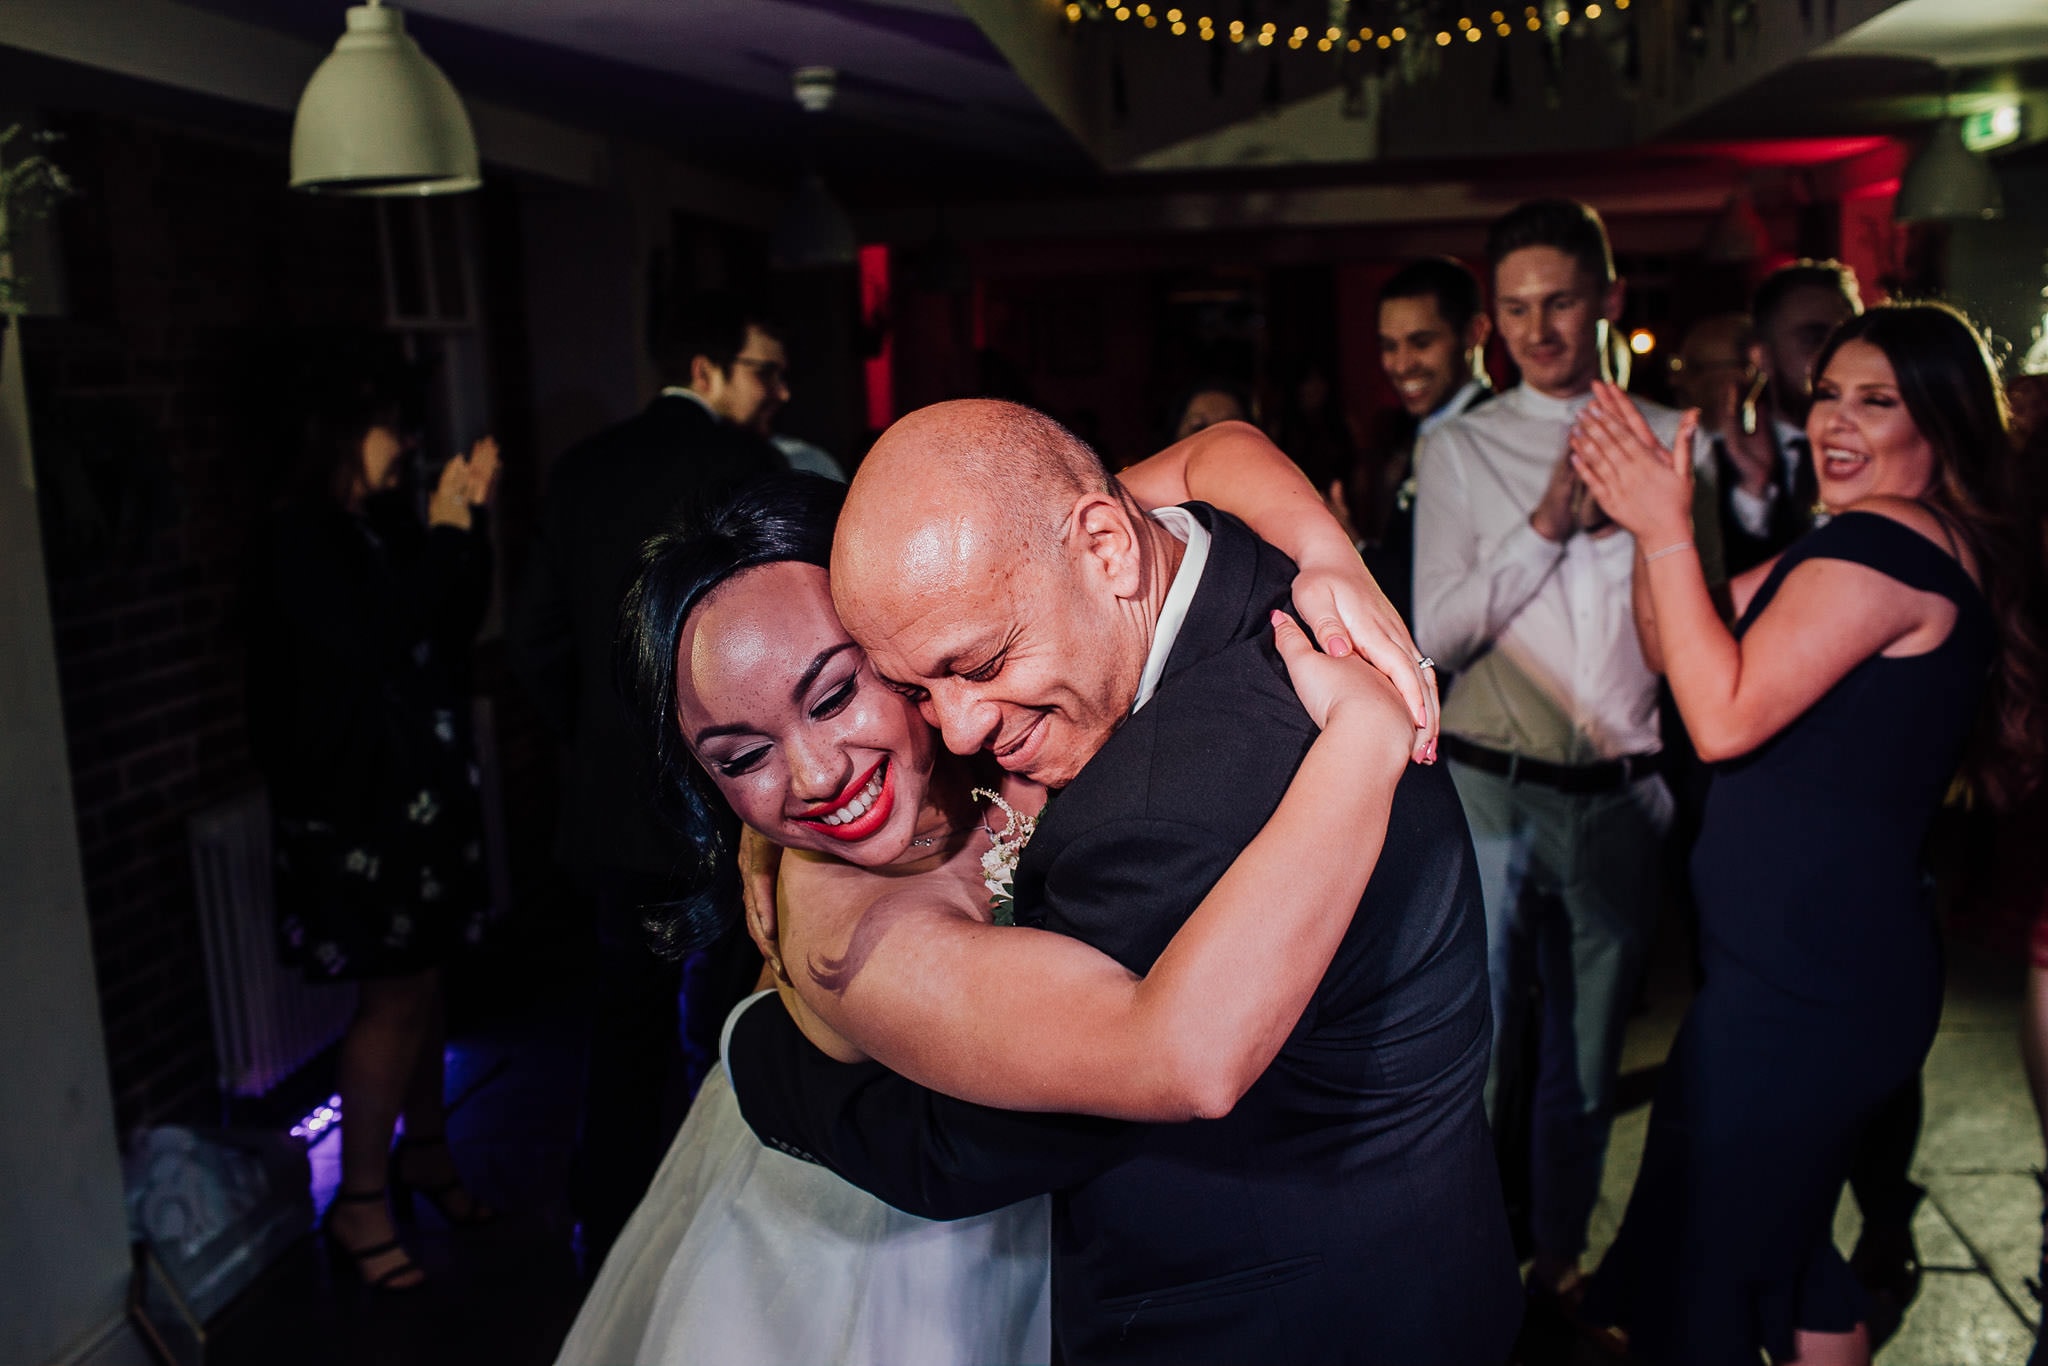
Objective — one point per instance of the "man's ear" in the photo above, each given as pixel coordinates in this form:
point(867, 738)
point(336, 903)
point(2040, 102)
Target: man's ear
point(1477, 333)
point(1612, 297)
point(1100, 535)
point(704, 376)
point(1758, 355)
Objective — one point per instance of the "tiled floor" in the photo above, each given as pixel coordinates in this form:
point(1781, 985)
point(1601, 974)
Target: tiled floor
point(1979, 1230)
point(505, 1295)
point(502, 1295)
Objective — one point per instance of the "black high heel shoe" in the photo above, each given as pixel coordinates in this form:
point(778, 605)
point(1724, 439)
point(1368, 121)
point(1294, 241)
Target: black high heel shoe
point(442, 1195)
point(359, 1258)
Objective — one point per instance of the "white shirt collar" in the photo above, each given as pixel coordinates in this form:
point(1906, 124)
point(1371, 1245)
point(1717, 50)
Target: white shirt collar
point(1534, 404)
point(1459, 402)
point(1786, 434)
point(681, 391)
point(1173, 613)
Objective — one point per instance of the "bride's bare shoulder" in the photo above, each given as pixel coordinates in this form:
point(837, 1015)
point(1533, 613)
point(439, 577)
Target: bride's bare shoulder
point(826, 900)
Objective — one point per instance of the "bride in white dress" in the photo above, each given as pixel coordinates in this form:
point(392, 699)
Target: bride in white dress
point(742, 1255)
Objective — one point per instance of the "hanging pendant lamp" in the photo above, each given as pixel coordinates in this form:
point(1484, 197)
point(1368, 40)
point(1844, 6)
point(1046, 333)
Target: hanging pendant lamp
point(814, 229)
point(379, 118)
point(1946, 180)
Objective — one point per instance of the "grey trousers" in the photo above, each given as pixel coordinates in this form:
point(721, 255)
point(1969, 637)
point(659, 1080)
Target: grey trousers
point(1570, 884)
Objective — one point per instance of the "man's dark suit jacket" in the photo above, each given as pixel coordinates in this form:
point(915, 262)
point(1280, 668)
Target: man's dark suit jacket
point(605, 497)
point(1790, 517)
point(1392, 559)
point(1347, 1210)
point(1391, 555)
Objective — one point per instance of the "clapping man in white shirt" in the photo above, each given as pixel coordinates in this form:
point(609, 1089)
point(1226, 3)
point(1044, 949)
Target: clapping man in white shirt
point(1522, 589)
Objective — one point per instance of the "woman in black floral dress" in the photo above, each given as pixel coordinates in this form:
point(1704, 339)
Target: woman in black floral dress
point(360, 622)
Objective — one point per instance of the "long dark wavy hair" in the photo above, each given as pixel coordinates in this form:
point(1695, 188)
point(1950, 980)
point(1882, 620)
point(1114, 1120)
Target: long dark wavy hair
point(1951, 390)
point(786, 517)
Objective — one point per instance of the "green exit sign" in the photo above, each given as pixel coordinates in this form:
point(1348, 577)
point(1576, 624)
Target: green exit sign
point(1992, 128)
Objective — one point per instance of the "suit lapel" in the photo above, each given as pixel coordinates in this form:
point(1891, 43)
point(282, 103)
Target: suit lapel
point(1223, 603)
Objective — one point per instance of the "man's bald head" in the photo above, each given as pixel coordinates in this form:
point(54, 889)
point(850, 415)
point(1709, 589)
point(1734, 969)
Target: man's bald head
point(982, 543)
point(1011, 471)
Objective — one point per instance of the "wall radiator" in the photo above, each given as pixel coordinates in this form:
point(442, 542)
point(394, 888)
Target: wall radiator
point(267, 1022)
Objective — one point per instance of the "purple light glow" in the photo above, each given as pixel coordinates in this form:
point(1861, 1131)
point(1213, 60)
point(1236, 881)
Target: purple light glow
point(314, 1127)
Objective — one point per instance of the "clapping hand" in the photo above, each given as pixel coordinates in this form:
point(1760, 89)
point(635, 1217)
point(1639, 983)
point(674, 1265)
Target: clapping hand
point(1641, 483)
point(465, 484)
point(484, 467)
point(1344, 606)
point(1556, 515)
point(1751, 448)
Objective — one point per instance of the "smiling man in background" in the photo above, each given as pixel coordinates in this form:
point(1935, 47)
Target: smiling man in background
point(1433, 330)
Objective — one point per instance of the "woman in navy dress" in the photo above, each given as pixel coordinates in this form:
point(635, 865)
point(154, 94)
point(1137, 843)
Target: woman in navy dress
point(1885, 649)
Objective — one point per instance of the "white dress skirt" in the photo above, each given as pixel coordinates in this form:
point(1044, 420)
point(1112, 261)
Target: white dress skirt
point(742, 1256)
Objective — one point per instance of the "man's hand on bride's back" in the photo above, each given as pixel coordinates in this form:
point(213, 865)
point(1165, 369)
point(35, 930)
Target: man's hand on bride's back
point(1349, 614)
point(1345, 695)
point(760, 862)
point(760, 859)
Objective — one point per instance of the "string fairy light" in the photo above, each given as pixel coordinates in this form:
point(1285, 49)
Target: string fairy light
point(1472, 28)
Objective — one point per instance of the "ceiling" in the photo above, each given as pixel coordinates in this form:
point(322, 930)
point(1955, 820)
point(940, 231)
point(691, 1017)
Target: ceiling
point(919, 83)
point(1953, 33)
point(997, 101)
point(1897, 72)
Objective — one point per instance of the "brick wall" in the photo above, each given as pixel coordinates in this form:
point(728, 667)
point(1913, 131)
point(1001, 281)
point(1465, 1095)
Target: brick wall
point(160, 429)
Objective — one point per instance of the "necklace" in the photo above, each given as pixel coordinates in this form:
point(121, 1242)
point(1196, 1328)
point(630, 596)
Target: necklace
point(949, 831)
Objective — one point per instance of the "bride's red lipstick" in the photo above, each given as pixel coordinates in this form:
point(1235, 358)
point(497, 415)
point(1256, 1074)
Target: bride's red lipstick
point(870, 821)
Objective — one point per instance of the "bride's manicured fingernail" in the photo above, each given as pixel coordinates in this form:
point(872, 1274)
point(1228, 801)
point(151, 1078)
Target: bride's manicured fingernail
point(1339, 647)
point(1278, 616)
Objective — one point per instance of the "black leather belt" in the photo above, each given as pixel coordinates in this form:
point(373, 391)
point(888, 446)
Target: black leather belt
point(1607, 776)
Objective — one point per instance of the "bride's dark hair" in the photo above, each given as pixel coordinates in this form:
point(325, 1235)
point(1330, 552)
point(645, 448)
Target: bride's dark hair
point(786, 517)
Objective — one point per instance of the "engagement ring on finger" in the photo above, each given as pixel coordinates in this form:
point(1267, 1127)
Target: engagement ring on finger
point(1425, 663)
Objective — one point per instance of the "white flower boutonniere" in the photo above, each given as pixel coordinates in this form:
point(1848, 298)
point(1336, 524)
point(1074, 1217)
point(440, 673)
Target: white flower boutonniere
point(1404, 497)
point(999, 864)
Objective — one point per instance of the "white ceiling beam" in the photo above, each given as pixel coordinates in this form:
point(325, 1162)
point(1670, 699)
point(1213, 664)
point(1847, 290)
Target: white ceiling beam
point(1952, 32)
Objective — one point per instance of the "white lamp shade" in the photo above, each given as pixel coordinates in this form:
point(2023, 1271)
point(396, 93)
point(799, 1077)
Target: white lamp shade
point(378, 118)
point(1945, 179)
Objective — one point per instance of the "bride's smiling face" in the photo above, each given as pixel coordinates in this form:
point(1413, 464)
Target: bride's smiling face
point(778, 704)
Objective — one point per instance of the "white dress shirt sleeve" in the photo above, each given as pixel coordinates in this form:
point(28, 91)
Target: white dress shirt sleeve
point(1467, 588)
